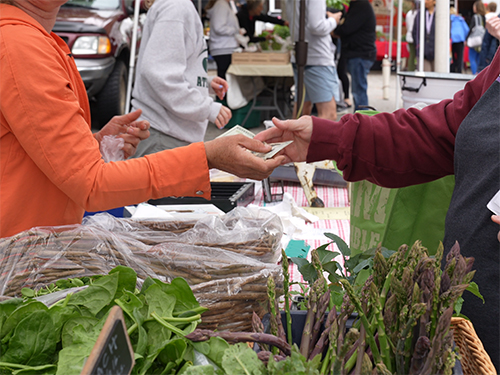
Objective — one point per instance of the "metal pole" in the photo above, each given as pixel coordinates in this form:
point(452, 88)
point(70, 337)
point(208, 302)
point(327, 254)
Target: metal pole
point(301, 53)
point(391, 29)
point(442, 37)
point(137, 6)
point(421, 37)
point(398, 52)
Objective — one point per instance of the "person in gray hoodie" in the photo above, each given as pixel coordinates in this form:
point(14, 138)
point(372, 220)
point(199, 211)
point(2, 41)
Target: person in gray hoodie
point(171, 83)
point(224, 27)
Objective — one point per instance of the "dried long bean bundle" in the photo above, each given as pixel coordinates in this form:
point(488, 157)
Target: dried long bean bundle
point(231, 285)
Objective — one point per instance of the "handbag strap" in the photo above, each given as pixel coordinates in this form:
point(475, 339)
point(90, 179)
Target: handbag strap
point(480, 22)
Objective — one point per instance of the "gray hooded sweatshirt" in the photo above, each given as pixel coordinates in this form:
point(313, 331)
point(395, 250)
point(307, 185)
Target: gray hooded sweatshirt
point(171, 83)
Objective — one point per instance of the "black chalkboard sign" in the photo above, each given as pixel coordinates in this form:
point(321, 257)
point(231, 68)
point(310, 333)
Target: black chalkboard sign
point(112, 353)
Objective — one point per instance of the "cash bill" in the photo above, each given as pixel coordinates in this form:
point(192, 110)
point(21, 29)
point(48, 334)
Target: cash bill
point(237, 129)
point(276, 147)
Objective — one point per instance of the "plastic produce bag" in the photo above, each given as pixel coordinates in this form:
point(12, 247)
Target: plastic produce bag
point(112, 148)
point(252, 232)
point(229, 284)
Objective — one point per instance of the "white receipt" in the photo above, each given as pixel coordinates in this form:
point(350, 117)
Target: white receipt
point(494, 204)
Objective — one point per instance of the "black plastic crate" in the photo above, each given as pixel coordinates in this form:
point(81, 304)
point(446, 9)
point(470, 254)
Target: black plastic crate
point(225, 196)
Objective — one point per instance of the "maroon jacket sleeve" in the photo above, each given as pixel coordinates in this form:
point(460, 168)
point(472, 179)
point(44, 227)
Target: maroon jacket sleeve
point(402, 148)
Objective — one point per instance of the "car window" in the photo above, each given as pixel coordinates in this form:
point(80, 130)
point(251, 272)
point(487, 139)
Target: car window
point(93, 4)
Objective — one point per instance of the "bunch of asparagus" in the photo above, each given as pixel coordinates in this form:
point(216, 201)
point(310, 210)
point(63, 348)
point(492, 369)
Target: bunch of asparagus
point(403, 313)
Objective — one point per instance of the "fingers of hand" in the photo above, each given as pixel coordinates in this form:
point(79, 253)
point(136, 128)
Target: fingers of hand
point(270, 135)
point(254, 145)
point(218, 123)
point(139, 133)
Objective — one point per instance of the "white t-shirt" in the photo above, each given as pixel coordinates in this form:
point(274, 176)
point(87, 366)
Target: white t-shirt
point(410, 18)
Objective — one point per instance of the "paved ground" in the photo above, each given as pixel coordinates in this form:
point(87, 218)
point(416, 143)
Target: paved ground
point(375, 97)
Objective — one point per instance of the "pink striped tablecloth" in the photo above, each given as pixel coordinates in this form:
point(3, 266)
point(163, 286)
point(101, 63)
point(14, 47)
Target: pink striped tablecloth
point(331, 197)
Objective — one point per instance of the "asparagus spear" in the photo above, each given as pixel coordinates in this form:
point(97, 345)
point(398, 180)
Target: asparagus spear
point(235, 337)
point(286, 287)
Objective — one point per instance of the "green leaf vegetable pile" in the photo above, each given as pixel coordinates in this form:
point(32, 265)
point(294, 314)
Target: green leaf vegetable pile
point(271, 43)
point(37, 339)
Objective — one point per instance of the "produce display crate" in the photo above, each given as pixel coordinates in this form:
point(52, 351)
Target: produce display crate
point(474, 359)
point(260, 58)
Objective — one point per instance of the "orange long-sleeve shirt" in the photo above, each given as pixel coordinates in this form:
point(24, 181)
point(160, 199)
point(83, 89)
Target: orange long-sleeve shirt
point(51, 168)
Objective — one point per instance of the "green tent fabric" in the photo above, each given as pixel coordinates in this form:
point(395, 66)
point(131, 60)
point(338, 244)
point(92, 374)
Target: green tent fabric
point(394, 217)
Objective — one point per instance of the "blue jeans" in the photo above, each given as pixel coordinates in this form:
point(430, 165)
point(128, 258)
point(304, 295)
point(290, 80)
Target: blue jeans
point(358, 69)
point(474, 60)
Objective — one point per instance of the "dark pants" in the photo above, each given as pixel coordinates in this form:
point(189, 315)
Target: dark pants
point(457, 57)
point(223, 62)
point(342, 73)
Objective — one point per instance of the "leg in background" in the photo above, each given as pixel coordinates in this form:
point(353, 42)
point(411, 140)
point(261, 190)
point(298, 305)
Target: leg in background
point(327, 110)
point(223, 62)
point(412, 57)
point(344, 79)
point(359, 69)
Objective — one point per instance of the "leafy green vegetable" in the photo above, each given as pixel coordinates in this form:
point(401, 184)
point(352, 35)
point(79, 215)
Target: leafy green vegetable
point(33, 342)
point(282, 31)
point(337, 4)
point(36, 339)
point(240, 359)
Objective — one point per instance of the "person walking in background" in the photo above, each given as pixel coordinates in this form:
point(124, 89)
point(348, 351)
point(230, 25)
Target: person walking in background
point(357, 34)
point(224, 27)
point(171, 82)
point(320, 75)
point(491, 11)
point(429, 31)
point(477, 20)
point(458, 33)
point(251, 12)
point(409, 19)
point(490, 44)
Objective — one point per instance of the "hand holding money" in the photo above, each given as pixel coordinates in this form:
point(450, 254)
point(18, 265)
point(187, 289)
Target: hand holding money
point(230, 154)
point(275, 147)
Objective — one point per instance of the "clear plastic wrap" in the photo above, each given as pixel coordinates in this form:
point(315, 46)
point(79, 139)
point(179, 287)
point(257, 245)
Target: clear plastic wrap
point(248, 231)
point(231, 285)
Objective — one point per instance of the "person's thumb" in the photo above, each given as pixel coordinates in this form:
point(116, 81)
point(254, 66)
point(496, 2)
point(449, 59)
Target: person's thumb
point(130, 117)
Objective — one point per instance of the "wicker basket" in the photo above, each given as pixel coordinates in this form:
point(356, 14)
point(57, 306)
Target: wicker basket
point(474, 359)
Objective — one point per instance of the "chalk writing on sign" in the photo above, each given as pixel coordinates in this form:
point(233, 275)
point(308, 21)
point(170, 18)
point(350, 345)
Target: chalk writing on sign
point(112, 353)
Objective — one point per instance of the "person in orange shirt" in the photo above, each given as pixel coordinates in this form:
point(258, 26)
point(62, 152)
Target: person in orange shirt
point(51, 169)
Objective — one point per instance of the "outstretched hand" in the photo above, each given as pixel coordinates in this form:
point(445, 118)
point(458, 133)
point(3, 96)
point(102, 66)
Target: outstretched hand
point(230, 154)
point(299, 131)
point(126, 127)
